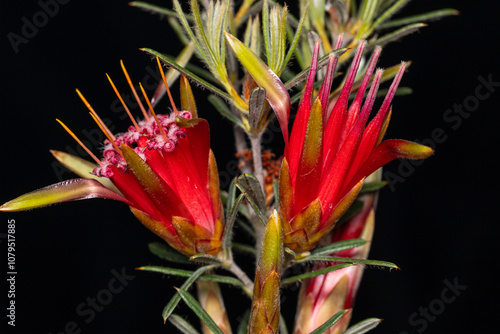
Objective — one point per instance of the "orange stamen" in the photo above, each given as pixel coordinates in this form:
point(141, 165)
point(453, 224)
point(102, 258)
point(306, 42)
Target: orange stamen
point(123, 103)
point(108, 134)
point(153, 113)
point(89, 107)
point(134, 91)
point(166, 86)
point(79, 142)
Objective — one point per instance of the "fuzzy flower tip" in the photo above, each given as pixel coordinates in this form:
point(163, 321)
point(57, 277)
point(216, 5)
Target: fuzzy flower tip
point(332, 149)
point(162, 167)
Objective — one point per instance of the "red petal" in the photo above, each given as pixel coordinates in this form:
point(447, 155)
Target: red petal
point(389, 150)
point(294, 149)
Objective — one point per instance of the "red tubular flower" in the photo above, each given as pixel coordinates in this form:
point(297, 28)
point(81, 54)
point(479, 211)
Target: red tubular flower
point(332, 150)
point(323, 296)
point(162, 167)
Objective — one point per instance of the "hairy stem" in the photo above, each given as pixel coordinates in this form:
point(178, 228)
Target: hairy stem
point(242, 276)
point(257, 158)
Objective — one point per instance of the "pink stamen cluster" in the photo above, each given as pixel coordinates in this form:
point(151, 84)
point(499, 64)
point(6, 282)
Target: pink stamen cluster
point(148, 136)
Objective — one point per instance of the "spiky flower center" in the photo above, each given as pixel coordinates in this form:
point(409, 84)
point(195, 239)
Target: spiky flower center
point(147, 136)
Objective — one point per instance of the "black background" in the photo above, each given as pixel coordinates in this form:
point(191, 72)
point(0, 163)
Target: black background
point(440, 224)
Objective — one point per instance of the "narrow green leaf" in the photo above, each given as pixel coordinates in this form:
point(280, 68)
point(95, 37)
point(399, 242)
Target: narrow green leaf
point(296, 38)
point(352, 211)
point(401, 91)
point(199, 311)
point(329, 323)
point(363, 326)
point(82, 168)
point(169, 308)
point(222, 108)
point(181, 324)
point(70, 190)
point(170, 62)
point(396, 35)
point(338, 246)
point(187, 273)
point(314, 273)
point(205, 258)
point(252, 189)
point(372, 186)
point(387, 14)
point(165, 252)
point(249, 185)
point(228, 231)
point(276, 194)
point(154, 9)
point(231, 196)
point(348, 260)
point(434, 15)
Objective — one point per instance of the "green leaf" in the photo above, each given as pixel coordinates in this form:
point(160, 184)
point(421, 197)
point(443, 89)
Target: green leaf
point(434, 15)
point(172, 304)
point(182, 325)
point(250, 186)
point(329, 323)
point(296, 39)
point(165, 252)
point(396, 35)
point(401, 91)
point(199, 311)
point(228, 231)
point(206, 259)
point(276, 187)
point(82, 168)
point(363, 326)
point(154, 9)
point(348, 260)
point(231, 196)
point(338, 246)
point(387, 14)
point(170, 62)
point(70, 190)
point(187, 273)
point(372, 186)
point(352, 211)
point(222, 108)
point(314, 273)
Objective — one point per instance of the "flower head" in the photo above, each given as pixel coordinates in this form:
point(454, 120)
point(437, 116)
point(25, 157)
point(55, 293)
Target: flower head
point(162, 167)
point(332, 149)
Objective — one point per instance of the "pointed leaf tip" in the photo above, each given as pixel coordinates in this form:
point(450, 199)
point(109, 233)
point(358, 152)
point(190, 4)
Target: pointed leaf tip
point(70, 190)
point(276, 93)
